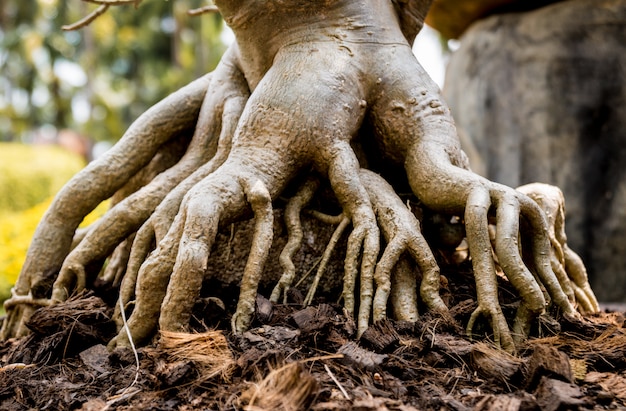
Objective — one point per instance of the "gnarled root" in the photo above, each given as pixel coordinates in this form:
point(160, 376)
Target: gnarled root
point(261, 202)
point(567, 265)
point(402, 233)
point(294, 230)
point(393, 275)
point(344, 177)
point(476, 211)
point(98, 181)
point(220, 111)
point(509, 206)
point(288, 127)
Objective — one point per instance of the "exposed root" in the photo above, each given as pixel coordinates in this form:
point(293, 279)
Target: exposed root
point(332, 243)
point(116, 267)
point(28, 299)
point(476, 222)
point(261, 203)
point(565, 263)
point(294, 230)
point(235, 93)
point(222, 106)
point(280, 130)
point(157, 226)
point(364, 239)
point(402, 233)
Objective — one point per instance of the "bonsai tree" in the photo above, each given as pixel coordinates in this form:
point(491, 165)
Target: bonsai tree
point(311, 92)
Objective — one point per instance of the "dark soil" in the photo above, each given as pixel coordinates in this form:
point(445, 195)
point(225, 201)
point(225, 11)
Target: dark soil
point(308, 358)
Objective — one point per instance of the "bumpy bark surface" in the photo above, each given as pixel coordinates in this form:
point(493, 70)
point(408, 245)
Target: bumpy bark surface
point(304, 84)
point(542, 95)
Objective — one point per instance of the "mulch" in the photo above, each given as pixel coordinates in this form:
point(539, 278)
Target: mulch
point(297, 357)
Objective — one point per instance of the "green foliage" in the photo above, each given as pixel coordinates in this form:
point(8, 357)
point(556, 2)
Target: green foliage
point(31, 174)
point(99, 79)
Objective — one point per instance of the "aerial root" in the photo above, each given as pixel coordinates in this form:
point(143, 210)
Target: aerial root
point(565, 263)
point(210, 144)
point(118, 261)
point(234, 94)
point(364, 240)
point(332, 243)
point(28, 299)
point(476, 223)
point(150, 288)
point(402, 233)
point(158, 225)
point(548, 272)
point(393, 275)
point(138, 255)
point(294, 231)
point(111, 236)
point(161, 221)
point(575, 269)
point(540, 250)
point(507, 249)
point(261, 202)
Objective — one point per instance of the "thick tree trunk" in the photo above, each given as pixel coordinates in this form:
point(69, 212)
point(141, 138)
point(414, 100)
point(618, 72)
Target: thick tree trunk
point(542, 94)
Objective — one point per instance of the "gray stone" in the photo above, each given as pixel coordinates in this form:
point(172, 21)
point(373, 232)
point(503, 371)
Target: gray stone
point(542, 96)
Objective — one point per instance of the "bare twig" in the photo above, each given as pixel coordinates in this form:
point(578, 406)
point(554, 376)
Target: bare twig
point(203, 10)
point(132, 346)
point(332, 376)
point(114, 2)
point(102, 8)
point(87, 19)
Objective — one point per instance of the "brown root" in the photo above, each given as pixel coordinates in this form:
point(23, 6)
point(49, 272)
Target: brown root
point(209, 351)
point(287, 388)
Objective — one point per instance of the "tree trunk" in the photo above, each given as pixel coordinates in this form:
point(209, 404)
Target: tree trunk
point(542, 95)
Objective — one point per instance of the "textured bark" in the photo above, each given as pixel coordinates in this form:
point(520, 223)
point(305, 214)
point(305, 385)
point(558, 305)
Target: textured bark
point(542, 95)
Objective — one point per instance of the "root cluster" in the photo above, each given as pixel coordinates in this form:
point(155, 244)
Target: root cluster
point(284, 113)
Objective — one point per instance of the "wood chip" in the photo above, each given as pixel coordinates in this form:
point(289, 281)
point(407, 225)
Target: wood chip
point(549, 362)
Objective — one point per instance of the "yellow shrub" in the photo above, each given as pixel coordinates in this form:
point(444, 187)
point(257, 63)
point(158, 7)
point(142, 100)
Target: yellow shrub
point(16, 232)
point(31, 174)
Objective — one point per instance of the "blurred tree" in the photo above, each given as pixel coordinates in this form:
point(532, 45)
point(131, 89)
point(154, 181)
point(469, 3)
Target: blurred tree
point(96, 80)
